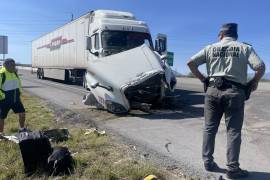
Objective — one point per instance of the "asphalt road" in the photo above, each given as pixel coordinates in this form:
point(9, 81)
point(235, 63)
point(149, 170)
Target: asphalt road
point(175, 134)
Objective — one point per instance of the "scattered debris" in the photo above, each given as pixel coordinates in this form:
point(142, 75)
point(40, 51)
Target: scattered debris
point(172, 167)
point(12, 138)
point(167, 146)
point(145, 156)
point(141, 106)
point(57, 135)
point(74, 154)
point(133, 147)
point(221, 178)
point(95, 131)
point(121, 161)
point(151, 177)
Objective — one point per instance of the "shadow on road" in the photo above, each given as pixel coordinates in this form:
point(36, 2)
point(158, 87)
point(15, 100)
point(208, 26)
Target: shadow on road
point(258, 175)
point(70, 82)
point(181, 104)
point(30, 87)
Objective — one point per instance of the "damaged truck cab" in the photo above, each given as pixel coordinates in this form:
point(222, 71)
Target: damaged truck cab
point(112, 54)
point(124, 69)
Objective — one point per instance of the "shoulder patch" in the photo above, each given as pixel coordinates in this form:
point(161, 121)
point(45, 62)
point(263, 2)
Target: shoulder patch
point(247, 43)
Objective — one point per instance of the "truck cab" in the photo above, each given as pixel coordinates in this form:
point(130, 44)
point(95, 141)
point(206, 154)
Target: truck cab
point(112, 32)
point(124, 70)
point(112, 53)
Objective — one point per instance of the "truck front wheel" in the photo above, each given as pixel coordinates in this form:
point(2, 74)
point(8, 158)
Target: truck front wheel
point(67, 76)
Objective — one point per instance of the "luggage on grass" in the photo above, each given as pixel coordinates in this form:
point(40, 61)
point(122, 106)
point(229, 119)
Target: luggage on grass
point(60, 162)
point(35, 149)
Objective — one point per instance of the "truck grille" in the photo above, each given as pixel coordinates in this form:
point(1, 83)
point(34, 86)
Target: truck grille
point(146, 92)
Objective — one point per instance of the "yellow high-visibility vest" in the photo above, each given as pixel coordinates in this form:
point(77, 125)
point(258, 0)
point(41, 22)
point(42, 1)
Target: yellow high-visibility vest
point(11, 83)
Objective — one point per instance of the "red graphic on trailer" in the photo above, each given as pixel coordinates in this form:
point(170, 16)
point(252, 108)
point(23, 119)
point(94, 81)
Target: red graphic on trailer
point(56, 43)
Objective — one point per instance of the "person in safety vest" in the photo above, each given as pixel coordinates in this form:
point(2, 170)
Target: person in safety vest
point(10, 92)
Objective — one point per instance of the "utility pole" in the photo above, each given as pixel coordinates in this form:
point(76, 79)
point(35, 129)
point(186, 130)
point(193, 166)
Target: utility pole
point(3, 46)
point(72, 17)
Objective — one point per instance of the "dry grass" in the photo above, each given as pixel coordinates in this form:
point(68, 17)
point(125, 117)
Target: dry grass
point(96, 156)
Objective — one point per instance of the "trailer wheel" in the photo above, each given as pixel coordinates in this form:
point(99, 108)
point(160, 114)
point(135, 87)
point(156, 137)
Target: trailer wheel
point(67, 76)
point(38, 73)
point(41, 74)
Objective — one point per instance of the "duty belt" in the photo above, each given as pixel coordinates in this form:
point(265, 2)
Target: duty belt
point(222, 83)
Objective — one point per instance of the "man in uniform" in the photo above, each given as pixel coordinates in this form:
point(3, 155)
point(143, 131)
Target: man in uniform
point(227, 62)
point(10, 91)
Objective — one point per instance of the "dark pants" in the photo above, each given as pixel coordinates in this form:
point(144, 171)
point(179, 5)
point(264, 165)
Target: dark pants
point(229, 102)
point(12, 101)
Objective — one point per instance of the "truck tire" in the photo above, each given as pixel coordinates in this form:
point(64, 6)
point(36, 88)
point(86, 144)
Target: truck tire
point(67, 76)
point(38, 73)
point(42, 74)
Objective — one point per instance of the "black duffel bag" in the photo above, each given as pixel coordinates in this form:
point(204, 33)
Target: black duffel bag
point(60, 162)
point(35, 149)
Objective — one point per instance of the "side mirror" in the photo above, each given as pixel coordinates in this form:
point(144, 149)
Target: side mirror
point(161, 44)
point(157, 47)
point(88, 43)
point(89, 46)
point(164, 56)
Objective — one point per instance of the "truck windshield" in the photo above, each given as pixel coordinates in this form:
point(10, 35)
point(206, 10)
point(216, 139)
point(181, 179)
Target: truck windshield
point(117, 41)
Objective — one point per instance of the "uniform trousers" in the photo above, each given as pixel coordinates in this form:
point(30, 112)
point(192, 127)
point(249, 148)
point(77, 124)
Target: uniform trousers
point(230, 103)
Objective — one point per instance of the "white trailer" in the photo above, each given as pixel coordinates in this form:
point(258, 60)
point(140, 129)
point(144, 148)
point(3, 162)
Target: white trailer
point(61, 54)
point(112, 54)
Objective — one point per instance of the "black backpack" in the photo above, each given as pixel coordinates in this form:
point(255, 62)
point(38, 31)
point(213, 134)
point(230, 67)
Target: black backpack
point(60, 162)
point(35, 149)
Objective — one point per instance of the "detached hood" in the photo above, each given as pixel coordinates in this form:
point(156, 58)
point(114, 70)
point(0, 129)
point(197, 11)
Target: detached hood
point(119, 69)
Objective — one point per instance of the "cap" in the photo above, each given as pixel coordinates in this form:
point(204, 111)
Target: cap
point(8, 61)
point(229, 29)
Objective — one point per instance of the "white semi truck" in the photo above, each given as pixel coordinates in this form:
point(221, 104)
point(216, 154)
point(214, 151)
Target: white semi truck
point(112, 54)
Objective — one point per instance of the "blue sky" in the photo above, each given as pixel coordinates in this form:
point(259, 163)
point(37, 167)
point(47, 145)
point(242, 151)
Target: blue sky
point(189, 24)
